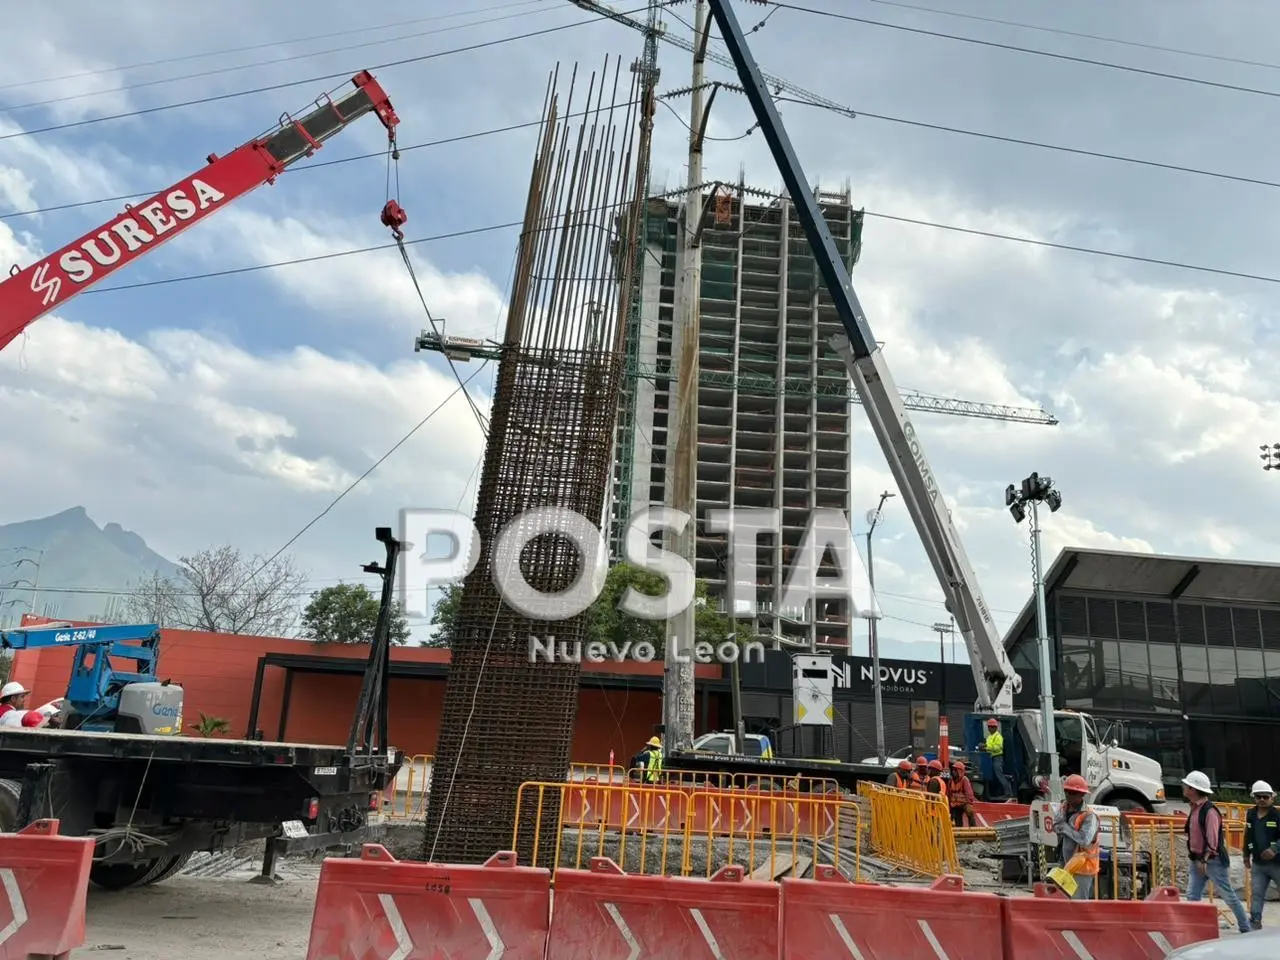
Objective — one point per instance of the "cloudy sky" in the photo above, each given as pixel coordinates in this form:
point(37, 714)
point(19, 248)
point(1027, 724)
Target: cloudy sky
point(199, 402)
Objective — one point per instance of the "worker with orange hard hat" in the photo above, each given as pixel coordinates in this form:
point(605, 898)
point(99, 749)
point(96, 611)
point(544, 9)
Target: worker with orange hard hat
point(960, 795)
point(934, 784)
point(1078, 828)
point(993, 747)
point(904, 778)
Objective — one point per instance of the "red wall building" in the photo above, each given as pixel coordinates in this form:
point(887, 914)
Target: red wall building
point(305, 692)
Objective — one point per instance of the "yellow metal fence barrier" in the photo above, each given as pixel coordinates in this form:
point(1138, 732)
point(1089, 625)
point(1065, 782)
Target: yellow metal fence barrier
point(674, 832)
point(911, 829)
point(411, 802)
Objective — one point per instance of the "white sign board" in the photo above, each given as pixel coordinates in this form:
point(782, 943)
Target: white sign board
point(1042, 823)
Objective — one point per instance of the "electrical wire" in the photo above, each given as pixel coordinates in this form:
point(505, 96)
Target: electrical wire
point(1059, 31)
point(914, 221)
point(268, 88)
point(1032, 51)
point(258, 46)
point(217, 71)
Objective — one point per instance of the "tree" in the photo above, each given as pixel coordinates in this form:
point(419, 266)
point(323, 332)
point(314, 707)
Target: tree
point(444, 616)
point(348, 613)
point(605, 622)
point(220, 590)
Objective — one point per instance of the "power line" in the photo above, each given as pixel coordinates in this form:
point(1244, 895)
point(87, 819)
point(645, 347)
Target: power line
point(915, 221)
point(1101, 38)
point(1015, 48)
point(258, 46)
point(263, 63)
point(268, 88)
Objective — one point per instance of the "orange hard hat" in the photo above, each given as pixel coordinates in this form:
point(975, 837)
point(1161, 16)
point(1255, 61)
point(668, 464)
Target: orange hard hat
point(993, 722)
point(1075, 784)
point(904, 764)
point(935, 765)
point(920, 760)
point(957, 764)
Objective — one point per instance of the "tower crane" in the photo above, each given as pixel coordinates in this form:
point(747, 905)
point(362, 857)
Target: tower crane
point(777, 83)
point(463, 349)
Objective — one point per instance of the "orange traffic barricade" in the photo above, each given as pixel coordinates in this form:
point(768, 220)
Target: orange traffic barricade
point(378, 906)
point(605, 914)
point(45, 880)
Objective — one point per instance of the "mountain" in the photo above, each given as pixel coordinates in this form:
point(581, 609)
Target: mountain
point(81, 566)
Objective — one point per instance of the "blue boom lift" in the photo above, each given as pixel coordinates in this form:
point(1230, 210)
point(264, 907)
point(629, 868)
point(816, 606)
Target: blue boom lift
point(101, 698)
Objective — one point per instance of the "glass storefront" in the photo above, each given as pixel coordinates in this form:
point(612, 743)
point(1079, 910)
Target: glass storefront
point(1133, 662)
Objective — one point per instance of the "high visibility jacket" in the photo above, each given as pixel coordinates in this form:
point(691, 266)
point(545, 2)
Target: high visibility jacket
point(653, 768)
point(902, 781)
point(1082, 859)
point(995, 744)
point(960, 792)
point(936, 785)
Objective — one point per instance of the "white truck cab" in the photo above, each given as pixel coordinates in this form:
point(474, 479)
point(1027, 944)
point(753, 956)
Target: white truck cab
point(1119, 778)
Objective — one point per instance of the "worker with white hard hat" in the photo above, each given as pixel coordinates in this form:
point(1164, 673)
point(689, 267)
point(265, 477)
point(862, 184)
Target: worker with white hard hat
point(1207, 847)
point(1262, 843)
point(13, 707)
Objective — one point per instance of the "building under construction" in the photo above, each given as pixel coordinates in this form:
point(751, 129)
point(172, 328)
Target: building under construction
point(773, 399)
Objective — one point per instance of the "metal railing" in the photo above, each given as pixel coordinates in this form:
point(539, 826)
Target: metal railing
point(911, 829)
point(667, 831)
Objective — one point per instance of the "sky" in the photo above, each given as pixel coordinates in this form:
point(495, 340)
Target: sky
point(202, 395)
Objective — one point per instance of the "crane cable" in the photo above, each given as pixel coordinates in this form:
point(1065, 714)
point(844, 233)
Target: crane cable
point(394, 217)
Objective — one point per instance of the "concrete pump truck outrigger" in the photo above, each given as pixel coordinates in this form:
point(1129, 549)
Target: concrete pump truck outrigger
point(1118, 777)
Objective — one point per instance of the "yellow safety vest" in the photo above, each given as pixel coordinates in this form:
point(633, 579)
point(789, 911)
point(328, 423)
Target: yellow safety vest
point(995, 744)
point(655, 765)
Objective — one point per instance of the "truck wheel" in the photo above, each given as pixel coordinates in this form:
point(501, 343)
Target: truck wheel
point(118, 876)
point(10, 794)
point(165, 868)
point(1128, 805)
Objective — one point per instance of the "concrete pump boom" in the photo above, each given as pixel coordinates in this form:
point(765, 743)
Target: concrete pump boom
point(994, 675)
point(29, 294)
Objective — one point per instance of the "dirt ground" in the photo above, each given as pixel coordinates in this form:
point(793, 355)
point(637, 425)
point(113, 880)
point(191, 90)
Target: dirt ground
point(222, 918)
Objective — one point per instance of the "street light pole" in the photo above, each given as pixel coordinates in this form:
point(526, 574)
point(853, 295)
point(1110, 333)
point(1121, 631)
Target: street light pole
point(873, 636)
point(1035, 491)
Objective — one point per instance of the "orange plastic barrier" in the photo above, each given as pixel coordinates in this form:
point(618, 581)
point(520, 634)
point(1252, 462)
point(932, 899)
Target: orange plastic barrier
point(45, 880)
point(831, 917)
point(377, 906)
point(620, 807)
point(1050, 925)
point(990, 813)
point(743, 814)
point(604, 914)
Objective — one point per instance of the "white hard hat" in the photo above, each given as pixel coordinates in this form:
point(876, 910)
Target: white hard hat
point(12, 689)
point(1261, 786)
point(1198, 781)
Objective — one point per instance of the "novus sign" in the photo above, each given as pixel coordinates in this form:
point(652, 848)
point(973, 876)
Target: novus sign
point(902, 678)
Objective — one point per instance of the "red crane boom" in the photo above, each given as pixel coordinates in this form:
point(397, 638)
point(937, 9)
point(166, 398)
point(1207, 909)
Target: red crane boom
point(30, 293)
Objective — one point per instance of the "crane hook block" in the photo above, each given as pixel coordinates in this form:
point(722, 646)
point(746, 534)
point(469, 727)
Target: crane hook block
point(393, 216)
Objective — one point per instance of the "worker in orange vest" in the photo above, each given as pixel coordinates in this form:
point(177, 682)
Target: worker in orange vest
point(922, 772)
point(1078, 827)
point(960, 793)
point(935, 784)
point(904, 778)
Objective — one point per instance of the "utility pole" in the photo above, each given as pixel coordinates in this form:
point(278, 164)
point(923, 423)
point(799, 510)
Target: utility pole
point(1035, 491)
point(677, 688)
point(873, 518)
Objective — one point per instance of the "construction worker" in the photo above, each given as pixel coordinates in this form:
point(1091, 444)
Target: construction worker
point(934, 783)
point(993, 746)
point(1207, 847)
point(904, 778)
point(922, 772)
point(1079, 829)
point(960, 796)
point(649, 761)
point(1262, 843)
point(13, 707)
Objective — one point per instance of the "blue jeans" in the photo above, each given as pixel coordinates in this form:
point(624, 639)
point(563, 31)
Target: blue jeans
point(997, 768)
point(1265, 872)
point(1084, 888)
point(1216, 870)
